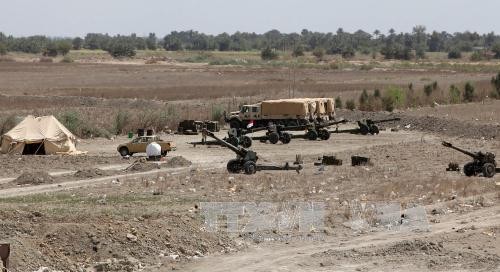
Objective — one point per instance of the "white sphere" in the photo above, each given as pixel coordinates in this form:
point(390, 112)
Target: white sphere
point(153, 149)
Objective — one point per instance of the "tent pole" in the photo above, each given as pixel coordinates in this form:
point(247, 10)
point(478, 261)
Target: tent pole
point(42, 143)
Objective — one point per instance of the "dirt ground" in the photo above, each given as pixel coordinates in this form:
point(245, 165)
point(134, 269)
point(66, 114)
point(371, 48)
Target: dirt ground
point(100, 212)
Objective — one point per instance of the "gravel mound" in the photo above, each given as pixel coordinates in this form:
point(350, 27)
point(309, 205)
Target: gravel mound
point(178, 161)
point(89, 173)
point(34, 178)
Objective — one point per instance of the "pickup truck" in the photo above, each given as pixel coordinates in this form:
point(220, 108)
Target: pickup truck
point(139, 144)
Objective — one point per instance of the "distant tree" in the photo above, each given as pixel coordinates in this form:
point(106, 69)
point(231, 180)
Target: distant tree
point(50, 50)
point(151, 42)
point(455, 54)
point(63, 47)
point(468, 92)
point(268, 54)
point(121, 47)
point(350, 105)
point(319, 53)
point(338, 102)
point(348, 52)
point(3, 48)
point(428, 90)
point(363, 98)
point(223, 42)
point(298, 51)
point(77, 43)
point(496, 49)
point(495, 81)
point(376, 93)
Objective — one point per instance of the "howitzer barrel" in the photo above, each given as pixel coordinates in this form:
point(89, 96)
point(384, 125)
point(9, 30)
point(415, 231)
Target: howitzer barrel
point(331, 123)
point(240, 152)
point(459, 149)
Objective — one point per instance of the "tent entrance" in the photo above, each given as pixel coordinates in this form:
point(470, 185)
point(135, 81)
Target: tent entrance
point(34, 149)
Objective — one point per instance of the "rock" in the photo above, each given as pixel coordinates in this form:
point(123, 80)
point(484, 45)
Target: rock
point(131, 237)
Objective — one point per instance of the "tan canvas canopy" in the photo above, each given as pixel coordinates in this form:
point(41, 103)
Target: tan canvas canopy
point(39, 135)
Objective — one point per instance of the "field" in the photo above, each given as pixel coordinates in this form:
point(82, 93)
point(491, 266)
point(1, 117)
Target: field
point(99, 212)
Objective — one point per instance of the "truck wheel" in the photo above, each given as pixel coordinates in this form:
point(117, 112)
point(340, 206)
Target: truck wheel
point(233, 166)
point(312, 135)
point(250, 167)
point(489, 170)
point(469, 169)
point(324, 134)
point(234, 141)
point(235, 124)
point(124, 151)
point(246, 142)
point(364, 130)
point(274, 138)
point(286, 138)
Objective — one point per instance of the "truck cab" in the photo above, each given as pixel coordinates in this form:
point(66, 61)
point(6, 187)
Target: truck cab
point(246, 113)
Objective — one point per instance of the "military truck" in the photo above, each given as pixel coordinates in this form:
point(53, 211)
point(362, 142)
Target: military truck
point(139, 144)
point(286, 112)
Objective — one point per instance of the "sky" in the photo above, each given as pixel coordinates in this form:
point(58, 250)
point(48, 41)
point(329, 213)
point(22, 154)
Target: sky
point(69, 18)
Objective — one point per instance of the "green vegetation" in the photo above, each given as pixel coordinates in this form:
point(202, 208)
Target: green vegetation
point(350, 105)
point(495, 81)
point(338, 102)
point(469, 92)
point(268, 54)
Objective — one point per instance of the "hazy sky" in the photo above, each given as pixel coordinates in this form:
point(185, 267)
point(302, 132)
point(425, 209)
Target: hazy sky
point(71, 18)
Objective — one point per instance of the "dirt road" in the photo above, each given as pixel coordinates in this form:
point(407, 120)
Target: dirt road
point(299, 256)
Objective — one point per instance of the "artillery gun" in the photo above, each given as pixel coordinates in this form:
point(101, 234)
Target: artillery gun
point(319, 130)
point(246, 160)
point(366, 126)
point(483, 162)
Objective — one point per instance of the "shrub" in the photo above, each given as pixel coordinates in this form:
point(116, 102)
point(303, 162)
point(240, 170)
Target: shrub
point(468, 92)
point(428, 90)
point(350, 105)
point(363, 98)
point(397, 95)
point(268, 54)
point(63, 47)
point(298, 51)
point(476, 56)
point(338, 102)
point(7, 123)
point(454, 94)
point(495, 81)
point(319, 53)
point(46, 60)
point(50, 50)
point(121, 121)
point(3, 49)
point(388, 103)
point(455, 54)
point(121, 47)
point(217, 113)
point(77, 43)
point(496, 50)
point(376, 93)
point(67, 59)
point(348, 52)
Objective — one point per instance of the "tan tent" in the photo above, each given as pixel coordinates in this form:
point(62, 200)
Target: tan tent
point(39, 135)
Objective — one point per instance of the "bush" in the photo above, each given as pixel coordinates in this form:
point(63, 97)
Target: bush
point(268, 54)
point(217, 113)
point(350, 105)
point(3, 49)
point(63, 47)
point(7, 123)
point(319, 53)
point(298, 51)
point(121, 47)
point(338, 102)
point(77, 43)
point(455, 54)
point(428, 90)
point(50, 50)
point(348, 52)
point(376, 93)
point(496, 50)
point(495, 81)
point(67, 59)
point(121, 121)
point(363, 98)
point(388, 103)
point(476, 56)
point(397, 96)
point(454, 95)
point(468, 92)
